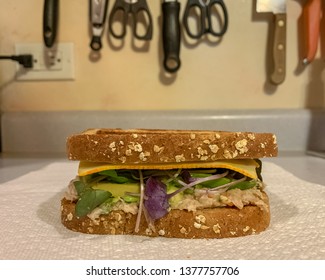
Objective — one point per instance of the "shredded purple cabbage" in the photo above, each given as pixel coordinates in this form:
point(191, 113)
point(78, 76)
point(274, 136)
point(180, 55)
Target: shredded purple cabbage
point(156, 200)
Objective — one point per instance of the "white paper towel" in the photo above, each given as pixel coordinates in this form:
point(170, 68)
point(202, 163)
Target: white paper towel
point(30, 226)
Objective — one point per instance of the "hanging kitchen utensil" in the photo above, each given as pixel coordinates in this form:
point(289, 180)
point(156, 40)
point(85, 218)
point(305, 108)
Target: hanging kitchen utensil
point(171, 35)
point(205, 24)
point(98, 11)
point(50, 21)
point(311, 16)
point(140, 14)
point(279, 9)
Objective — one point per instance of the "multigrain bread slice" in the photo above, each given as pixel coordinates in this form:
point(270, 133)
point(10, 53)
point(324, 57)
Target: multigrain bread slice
point(118, 146)
point(219, 222)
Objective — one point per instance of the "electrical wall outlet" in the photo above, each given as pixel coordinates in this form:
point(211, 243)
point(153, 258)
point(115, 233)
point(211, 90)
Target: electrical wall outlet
point(54, 63)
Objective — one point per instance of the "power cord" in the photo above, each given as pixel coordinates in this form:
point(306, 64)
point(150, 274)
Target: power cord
point(26, 60)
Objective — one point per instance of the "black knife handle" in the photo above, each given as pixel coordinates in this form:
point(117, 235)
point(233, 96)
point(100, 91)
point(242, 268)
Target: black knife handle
point(50, 21)
point(171, 35)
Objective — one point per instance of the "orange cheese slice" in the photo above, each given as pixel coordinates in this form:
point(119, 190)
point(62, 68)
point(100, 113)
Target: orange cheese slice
point(246, 167)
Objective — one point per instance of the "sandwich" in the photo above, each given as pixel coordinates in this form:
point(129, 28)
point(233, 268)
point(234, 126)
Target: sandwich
point(169, 183)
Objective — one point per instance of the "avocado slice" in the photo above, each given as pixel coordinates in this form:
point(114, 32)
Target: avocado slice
point(117, 190)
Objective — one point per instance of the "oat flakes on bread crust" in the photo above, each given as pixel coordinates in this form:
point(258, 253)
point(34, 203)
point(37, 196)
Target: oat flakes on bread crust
point(206, 223)
point(162, 146)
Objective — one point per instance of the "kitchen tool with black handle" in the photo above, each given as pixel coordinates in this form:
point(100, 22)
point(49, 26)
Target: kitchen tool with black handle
point(171, 35)
point(50, 21)
point(98, 11)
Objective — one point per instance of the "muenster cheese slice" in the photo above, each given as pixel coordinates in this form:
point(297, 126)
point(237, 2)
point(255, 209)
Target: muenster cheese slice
point(246, 167)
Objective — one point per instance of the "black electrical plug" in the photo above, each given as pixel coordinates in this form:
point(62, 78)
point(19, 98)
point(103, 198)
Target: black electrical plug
point(26, 60)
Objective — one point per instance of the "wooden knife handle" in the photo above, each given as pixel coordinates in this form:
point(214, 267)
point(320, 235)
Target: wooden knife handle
point(311, 18)
point(279, 49)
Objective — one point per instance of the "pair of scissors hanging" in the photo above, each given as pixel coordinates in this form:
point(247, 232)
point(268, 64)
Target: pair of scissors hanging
point(122, 8)
point(210, 17)
point(141, 19)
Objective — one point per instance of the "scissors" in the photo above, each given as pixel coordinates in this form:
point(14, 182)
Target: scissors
point(205, 25)
point(138, 9)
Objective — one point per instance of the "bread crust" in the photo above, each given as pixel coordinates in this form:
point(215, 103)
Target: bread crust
point(206, 223)
point(134, 146)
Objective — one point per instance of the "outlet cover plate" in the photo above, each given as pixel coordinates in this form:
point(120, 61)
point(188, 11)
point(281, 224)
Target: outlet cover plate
point(56, 63)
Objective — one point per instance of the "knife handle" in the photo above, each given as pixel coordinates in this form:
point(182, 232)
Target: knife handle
point(171, 35)
point(311, 18)
point(50, 21)
point(279, 49)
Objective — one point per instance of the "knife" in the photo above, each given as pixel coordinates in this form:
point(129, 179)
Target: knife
point(311, 18)
point(278, 8)
point(50, 21)
point(171, 35)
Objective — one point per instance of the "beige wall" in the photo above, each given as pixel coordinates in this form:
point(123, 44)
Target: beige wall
point(228, 75)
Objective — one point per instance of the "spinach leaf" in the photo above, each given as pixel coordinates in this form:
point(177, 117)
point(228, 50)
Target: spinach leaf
point(80, 187)
point(89, 200)
point(114, 177)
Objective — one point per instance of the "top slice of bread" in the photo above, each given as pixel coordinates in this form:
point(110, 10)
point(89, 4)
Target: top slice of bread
point(133, 146)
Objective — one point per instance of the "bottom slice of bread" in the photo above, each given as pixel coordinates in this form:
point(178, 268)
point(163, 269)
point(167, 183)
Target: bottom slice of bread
point(206, 223)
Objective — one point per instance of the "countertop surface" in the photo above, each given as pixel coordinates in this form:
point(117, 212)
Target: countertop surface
point(31, 188)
